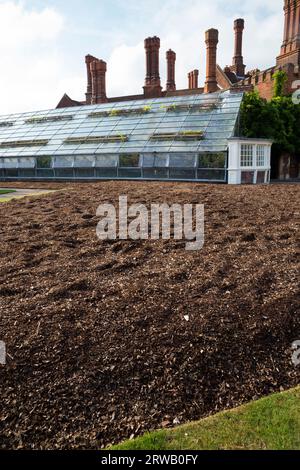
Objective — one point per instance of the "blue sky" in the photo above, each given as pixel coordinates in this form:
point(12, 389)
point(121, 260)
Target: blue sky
point(43, 43)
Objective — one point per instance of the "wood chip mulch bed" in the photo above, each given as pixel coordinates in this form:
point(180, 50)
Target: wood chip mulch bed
point(108, 339)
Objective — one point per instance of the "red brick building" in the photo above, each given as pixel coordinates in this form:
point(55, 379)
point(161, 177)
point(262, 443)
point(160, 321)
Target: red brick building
point(233, 76)
point(288, 60)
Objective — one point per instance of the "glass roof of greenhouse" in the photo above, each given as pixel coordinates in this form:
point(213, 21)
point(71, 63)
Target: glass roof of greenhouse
point(196, 123)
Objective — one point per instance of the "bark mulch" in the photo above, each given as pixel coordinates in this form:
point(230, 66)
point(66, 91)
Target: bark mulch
point(106, 340)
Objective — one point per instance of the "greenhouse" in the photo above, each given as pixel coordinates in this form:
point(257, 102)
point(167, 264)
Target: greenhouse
point(176, 138)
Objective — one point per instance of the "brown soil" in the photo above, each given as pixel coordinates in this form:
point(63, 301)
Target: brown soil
point(99, 349)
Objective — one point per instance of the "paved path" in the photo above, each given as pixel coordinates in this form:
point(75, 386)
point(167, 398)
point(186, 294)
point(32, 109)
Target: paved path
point(19, 193)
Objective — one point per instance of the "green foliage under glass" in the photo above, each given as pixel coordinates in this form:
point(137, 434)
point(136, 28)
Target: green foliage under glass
point(129, 160)
point(212, 160)
point(44, 162)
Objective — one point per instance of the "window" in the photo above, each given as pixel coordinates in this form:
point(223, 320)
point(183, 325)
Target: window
point(45, 119)
point(260, 155)
point(24, 143)
point(129, 173)
point(155, 160)
point(6, 124)
point(246, 155)
point(129, 161)
point(182, 173)
point(10, 162)
point(28, 162)
point(260, 177)
point(44, 162)
point(211, 175)
point(182, 161)
point(63, 162)
point(84, 173)
point(247, 177)
point(155, 173)
point(96, 140)
point(106, 172)
point(212, 160)
point(84, 161)
point(106, 161)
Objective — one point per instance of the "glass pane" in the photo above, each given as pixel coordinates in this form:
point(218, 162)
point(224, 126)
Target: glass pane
point(84, 173)
point(181, 173)
point(84, 161)
point(156, 173)
point(44, 162)
point(63, 162)
point(213, 175)
point(212, 160)
point(260, 176)
point(10, 163)
point(129, 173)
point(11, 173)
point(182, 160)
point(47, 173)
point(26, 173)
point(64, 173)
point(129, 161)
point(155, 160)
point(26, 162)
point(106, 161)
point(247, 177)
point(106, 172)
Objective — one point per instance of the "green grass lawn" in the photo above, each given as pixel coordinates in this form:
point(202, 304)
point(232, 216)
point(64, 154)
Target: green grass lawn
point(272, 423)
point(7, 191)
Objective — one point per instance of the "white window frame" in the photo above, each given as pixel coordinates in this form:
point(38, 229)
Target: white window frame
point(260, 155)
point(247, 156)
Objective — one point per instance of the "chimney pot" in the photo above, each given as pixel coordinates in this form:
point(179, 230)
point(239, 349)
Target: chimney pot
point(88, 59)
point(193, 79)
point(171, 59)
point(152, 86)
point(98, 70)
point(211, 40)
point(238, 61)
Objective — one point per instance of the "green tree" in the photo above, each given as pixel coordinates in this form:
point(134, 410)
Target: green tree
point(278, 119)
point(280, 78)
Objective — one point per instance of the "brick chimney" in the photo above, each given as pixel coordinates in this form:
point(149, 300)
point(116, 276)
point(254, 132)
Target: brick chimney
point(294, 25)
point(238, 62)
point(297, 27)
point(152, 88)
point(171, 59)
point(98, 70)
point(290, 49)
point(211, 40)
point(88, 60)
point(193, 79)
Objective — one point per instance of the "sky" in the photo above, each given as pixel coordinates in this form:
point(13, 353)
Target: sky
point(43, 43)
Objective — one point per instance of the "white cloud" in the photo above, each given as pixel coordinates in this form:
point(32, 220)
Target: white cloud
point(33, 75)
point(126, 70)
point(40, 59)
point(181, 26)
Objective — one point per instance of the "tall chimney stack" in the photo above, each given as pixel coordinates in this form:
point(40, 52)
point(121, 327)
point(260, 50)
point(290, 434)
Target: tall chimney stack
point(290, 49)
point(238, 61)
point(88, 60)
point(171, 59)
point(152, 88)
point(297, 27)
point(98, 70)
point(211, 40)
point(287, 14)
point(294, 27)
point(193, 79)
